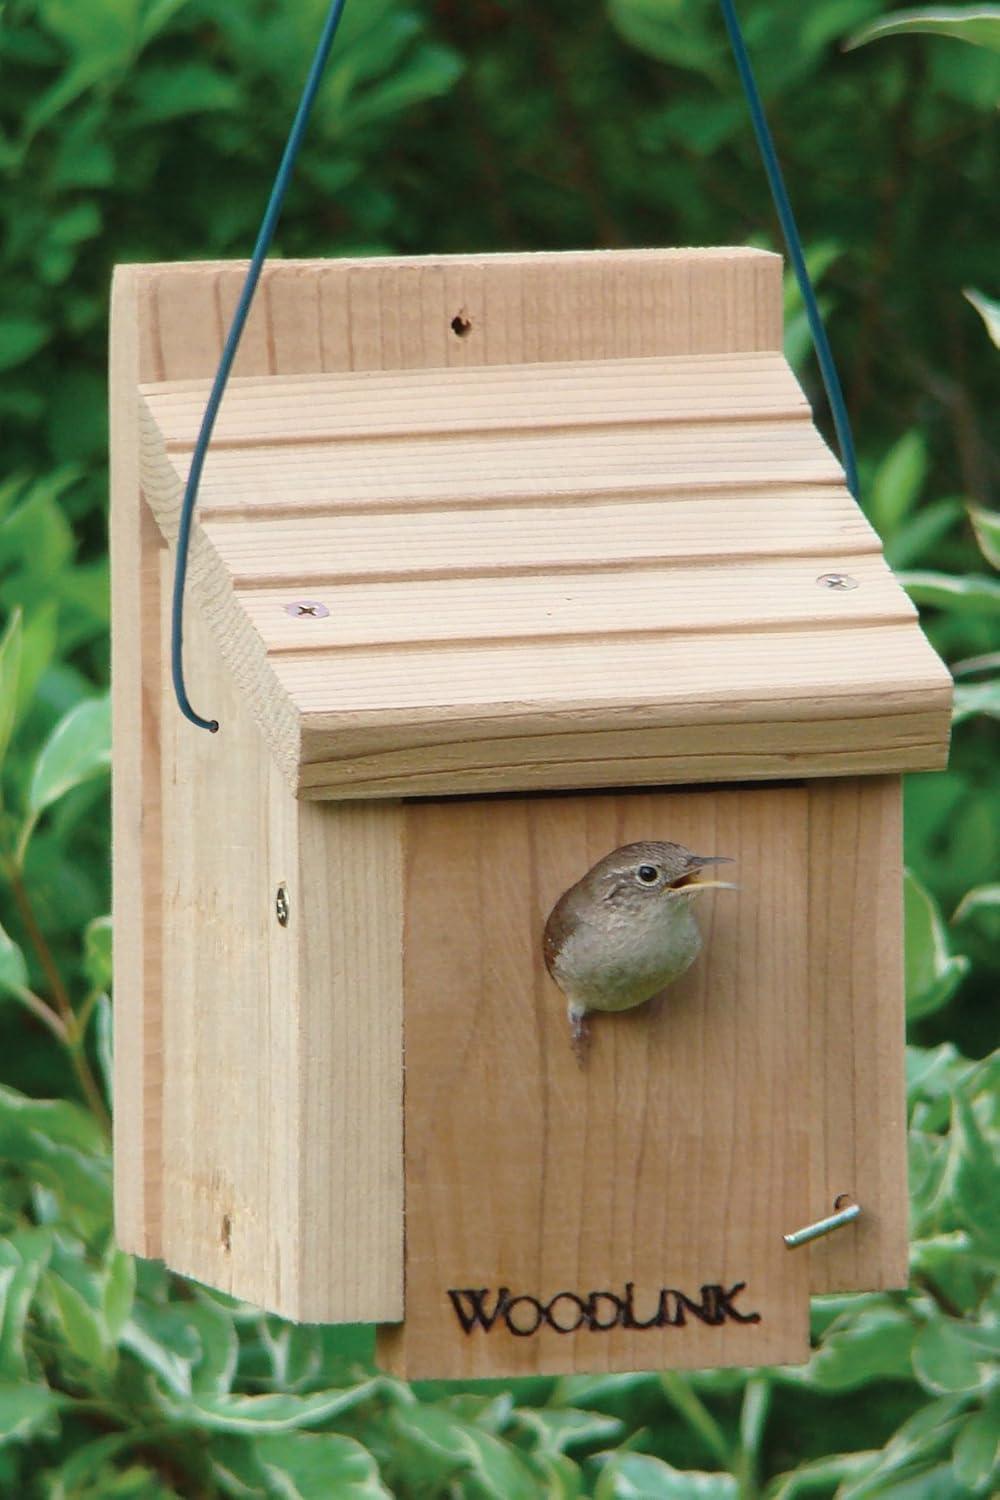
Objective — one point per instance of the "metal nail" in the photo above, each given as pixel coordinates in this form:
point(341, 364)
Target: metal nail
point(823, 1226)
point(839, 581)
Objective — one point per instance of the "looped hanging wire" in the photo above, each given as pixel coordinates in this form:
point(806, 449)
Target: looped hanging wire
point(793, 244)
point(269, 222)
point(264, 237)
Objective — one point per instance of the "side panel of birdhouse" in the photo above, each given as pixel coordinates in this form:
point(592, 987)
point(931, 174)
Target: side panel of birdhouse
point(258, 1065)
point(857, 1067)
point(281, 1153)
point(628, 1213)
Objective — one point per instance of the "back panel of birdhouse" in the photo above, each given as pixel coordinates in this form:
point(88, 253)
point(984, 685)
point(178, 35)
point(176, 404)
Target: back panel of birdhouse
point(292, 919)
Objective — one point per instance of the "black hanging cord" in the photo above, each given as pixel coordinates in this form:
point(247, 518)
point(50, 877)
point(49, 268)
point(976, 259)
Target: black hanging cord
point(264, 237)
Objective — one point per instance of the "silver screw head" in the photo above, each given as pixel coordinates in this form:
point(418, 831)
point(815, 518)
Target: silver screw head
point(839, 581)
point(307, 609)
point(282, 910)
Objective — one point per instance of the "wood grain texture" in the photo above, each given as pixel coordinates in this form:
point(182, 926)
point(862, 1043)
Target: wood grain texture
point(484, 470)
point(137, 855)
point(676, 1158)
point(757, 596)
point(234, 1159)
point(738, 712)
point(446, 543)
point(679, 391)
point(857, 1031)
point(283, 1044)
point(482, 517)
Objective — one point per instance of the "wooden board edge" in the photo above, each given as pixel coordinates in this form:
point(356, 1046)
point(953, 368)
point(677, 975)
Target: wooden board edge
point(858, 1032)
point(209, 584)
point(136, 667)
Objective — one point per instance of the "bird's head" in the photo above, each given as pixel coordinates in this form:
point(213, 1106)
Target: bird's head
point(652, 875)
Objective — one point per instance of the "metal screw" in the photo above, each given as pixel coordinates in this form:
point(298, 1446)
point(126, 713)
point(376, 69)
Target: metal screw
point(281, 907)
point(839, 581)
point(307, 609)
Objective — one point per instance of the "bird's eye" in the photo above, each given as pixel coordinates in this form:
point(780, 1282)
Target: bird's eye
point(648, 874)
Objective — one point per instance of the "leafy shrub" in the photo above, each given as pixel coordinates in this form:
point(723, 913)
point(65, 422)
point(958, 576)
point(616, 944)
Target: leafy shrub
point(148, 129)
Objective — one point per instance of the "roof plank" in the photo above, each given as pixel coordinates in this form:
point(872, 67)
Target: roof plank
point(546, 575)
point(441, 543)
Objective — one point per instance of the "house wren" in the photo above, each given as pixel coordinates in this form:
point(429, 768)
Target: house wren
point(626, 930)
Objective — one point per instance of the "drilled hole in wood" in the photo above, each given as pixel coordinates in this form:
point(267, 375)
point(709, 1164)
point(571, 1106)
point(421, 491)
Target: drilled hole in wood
point(461, 325)
point(227, 1233)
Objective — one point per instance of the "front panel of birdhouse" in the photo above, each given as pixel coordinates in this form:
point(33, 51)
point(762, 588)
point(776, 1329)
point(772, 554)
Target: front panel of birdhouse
point(502, 563)
point(625, 1210)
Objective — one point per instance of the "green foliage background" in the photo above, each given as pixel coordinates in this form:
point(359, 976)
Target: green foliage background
point(149, 129)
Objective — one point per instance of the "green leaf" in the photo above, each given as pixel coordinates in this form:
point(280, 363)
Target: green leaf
point(971, 594)
point(675, 31)
point(140, 1337)
point(436, 1445)
point(76, 1178)
point(278, 1413)
point(897, 483)
point(640, 1476)
point(989, 310)
point(13, 968)
point(933, 1073)
point(23, 1257)
point(972, 1170)
point(928, 1161)
point(81, 1325)
point(944, 1362)
point(180, 90)
point(20, 338)
point(874, 1344)
point(213, 1371)
point(557, 1429)
point(101, 40)
point(975, 698)
point(104, 1042)
point(921, 532)
point(77, 749)
point(933, 974)
point(909, 1453)
point(976, 1453)
point(25, 1410)
point(948, 1266)
point(311, 1466)
point(432, 71)
point(978, 24)
point(38, 646)
point(10, 674)
point(97, 953)
point(157, 14)
point(822, 1476)
point(56, 1120)
point(986, 525)
point(118, 1292)
point(79, 223)
point(88, 1466)
point(981, 898)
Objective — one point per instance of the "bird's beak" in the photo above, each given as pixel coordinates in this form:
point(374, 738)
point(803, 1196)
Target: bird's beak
point(692, 881)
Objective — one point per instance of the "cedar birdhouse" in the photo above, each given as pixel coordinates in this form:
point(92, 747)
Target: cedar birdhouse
point(499, 563)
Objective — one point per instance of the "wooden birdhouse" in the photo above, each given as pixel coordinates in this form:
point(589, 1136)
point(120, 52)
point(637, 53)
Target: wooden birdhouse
point(499, 563)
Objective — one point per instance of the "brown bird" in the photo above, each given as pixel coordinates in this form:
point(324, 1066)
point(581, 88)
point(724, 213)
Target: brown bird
point(626, 930)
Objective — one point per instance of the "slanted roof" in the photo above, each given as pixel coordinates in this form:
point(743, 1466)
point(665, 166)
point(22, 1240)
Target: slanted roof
point(574, 573)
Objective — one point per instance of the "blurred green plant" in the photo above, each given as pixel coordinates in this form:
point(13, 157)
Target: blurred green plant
point(149, 129)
